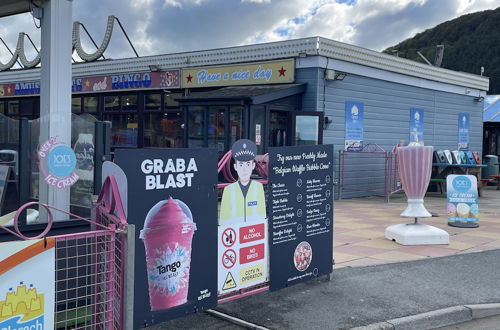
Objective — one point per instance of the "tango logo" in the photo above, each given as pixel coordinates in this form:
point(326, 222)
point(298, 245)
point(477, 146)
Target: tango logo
point(22, 309)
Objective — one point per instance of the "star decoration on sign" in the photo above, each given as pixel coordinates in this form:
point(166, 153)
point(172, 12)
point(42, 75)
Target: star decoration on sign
point(282, 71)
point(189, 78)
point(87, 83)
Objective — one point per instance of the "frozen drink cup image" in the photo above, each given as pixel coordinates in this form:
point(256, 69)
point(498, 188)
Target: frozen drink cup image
point(167, 236)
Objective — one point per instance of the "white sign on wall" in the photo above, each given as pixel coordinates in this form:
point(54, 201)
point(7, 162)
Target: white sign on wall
point(27, 284)
point(243, 256)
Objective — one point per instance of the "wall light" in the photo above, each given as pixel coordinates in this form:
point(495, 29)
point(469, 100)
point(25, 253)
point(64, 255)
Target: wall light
point(154, 68)
point(327, 122)
point(479, 99)
point(340, 75)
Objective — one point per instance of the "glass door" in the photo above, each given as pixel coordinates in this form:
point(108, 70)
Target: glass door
point(279, 128)
point(216, 128)
point(308, 128)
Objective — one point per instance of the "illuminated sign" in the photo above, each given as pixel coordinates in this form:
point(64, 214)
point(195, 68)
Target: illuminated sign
point(119, 81)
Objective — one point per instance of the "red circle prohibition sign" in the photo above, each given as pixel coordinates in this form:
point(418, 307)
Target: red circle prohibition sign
point(229, 237)
point(229, 258)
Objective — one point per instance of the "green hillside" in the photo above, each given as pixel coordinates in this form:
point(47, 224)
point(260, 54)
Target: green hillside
point(470, 42)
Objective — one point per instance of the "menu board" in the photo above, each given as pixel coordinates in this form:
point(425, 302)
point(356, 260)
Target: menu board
point(300, 213)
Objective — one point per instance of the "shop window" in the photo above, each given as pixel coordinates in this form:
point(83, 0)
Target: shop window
point(235, 123)
point(164, 130)
point(112, 103)
point(306, 130)
point(2, 107)
point(90, 104)
point(216, 128)
point(129, 102)
point(152, 102)
point(13, 108)
point(196, 123)
point(170, 101)
point(123, 129)
point(278, 128)
point(76, 104)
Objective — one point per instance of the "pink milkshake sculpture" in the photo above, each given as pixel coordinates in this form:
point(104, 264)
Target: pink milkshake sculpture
point(168, 234)
point(415, 166)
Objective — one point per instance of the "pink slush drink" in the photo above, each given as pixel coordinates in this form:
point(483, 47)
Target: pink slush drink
point(167, 235)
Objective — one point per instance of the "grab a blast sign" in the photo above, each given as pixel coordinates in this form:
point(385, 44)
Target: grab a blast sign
point(174, 173)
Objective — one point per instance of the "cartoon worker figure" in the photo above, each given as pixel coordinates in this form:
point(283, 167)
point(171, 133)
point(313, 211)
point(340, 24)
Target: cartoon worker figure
point(243, 200)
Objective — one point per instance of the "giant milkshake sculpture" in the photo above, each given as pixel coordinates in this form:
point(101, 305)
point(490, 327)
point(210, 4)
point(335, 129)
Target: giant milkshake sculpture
point(415, 166)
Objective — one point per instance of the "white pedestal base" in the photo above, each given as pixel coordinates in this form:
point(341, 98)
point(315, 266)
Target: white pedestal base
point(416, 234)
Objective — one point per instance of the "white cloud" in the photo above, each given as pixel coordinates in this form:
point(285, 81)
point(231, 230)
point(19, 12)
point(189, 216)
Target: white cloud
point(167, 26)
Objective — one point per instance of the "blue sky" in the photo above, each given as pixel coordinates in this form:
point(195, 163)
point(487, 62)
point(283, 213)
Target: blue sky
point(169, 26)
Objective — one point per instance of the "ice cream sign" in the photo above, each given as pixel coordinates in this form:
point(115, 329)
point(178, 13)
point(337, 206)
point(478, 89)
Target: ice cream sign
point(170, 173)
point(57, 163)
point(462, 209)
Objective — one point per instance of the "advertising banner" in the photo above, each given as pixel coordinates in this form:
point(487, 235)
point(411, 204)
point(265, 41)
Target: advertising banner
point(300, 202)
point(243, 256)
point(463, 209)
point(27, 284)
point(273, 72)
point(173, 203)
point(354, 113)
point(463, 131)
point(92, 84)
point(416, 127)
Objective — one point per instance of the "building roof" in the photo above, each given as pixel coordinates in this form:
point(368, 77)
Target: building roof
point(297, 48)
point(256, 94)
point(491, 112)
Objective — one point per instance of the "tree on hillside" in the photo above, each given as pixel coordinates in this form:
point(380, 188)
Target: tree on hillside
point(470, 42)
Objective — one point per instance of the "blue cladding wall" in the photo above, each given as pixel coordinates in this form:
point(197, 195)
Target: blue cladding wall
point(386, 118)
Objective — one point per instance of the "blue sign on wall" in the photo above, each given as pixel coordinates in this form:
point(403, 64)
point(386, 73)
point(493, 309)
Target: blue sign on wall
point(354, 112)
point(463, 131)
point(463, 210)
point(61, 161)
point(416, 126)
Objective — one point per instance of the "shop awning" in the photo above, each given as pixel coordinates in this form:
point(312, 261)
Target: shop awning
point(14, 7)
point(257, 94)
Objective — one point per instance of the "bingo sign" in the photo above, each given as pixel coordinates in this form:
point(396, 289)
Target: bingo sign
point(243, 255)
point(57, 164)
point(462, 209)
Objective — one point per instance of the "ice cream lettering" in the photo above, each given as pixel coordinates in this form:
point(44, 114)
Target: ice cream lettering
point(167, 235)
point(172, 173)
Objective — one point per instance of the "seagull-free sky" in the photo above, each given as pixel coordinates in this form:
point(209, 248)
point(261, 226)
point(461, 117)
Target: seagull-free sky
point(170, 26)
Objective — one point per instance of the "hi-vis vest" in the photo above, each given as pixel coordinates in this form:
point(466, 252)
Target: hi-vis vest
point(235, 208)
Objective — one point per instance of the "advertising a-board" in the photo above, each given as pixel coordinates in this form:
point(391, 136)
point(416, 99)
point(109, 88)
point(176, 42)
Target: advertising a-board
point(301, 213)
point(463, 207)
point(172, 201)
point(27, 297)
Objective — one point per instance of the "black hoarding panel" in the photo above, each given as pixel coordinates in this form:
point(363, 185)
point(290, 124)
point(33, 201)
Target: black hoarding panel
point(172, 201)
point(301, 213)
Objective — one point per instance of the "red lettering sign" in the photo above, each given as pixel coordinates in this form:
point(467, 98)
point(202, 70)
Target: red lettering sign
point(252, 233)
point(251, 253)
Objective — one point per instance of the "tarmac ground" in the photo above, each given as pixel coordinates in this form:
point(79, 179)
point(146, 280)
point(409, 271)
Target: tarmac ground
point(379, 284)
